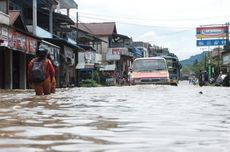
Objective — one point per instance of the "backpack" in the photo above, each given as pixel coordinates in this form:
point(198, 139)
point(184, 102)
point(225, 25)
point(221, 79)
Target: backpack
point(38, 71)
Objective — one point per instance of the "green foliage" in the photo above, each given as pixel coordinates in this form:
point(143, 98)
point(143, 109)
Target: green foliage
point(96, 76)
point(200, 65)
point(195, 67)
point(89, 83)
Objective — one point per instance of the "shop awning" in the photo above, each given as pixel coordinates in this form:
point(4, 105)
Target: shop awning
point(67, 4)
point(136, 52)
point(82, 66)
point(109, 67)
point(87, 47)
point(58, 41)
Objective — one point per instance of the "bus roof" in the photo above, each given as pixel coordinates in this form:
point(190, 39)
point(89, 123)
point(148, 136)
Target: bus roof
point(170, 57)
point(147, 58)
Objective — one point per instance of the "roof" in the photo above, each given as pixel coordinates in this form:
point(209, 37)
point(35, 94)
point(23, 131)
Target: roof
point(150, 58)
point(86, 47)
point(67, 4)
point(63, 18)
point(122, 36)
point(60, 41)
point(86, 36)
point(99, 29)
point(13, 14)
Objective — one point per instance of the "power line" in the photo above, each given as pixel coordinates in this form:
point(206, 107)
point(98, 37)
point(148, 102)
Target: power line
point(184, 28)
point(137, 24)
point(159, 19)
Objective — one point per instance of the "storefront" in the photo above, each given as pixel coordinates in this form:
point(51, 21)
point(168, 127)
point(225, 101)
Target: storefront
point(54, 52)
point(86, 64)
point(66, 74)
point(21, 48)
point(121, 57)
point(226, 62)
point(3, 48)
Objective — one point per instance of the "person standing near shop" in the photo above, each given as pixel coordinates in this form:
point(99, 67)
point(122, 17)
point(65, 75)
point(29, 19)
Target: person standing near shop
point(41, 72)
point(53, 80)
point(201, 78)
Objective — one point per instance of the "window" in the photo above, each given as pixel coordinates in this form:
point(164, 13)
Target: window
point(3, 6)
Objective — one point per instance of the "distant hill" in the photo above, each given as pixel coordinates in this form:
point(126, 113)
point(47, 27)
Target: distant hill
point(193, 58)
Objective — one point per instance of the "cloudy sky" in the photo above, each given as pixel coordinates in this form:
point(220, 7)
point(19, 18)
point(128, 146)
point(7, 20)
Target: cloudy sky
point(166, 23)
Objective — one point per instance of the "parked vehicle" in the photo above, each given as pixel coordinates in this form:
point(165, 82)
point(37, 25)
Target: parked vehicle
point(152, 70)
point(174, 67)
point(220, 79)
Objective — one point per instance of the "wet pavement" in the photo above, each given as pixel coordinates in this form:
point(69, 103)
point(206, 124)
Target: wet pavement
point(130, 118)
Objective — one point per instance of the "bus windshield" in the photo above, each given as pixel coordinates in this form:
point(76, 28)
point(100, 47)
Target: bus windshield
point(149, 65)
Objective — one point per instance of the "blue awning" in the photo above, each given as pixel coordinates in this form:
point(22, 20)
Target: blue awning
point(59, 41)
point(136, 52)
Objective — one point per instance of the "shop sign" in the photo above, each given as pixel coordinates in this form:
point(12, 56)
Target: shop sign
point(89, 66)
point(69, 55)
point(87, 57)
point(211, 32)
point(211, 42)
point(226, 59)
point(118, 51)
point(53, 50)
point(3, 36)
point(21, 42)
point(115, 53)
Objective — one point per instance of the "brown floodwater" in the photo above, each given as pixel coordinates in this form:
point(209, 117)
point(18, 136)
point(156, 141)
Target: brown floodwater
point(130, 118)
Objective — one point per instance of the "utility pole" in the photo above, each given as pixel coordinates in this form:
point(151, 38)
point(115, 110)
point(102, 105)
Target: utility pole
point(51, 19)
point(227, 34)
point(34, 17)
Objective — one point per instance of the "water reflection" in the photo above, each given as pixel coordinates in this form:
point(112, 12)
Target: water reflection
point(136, 118)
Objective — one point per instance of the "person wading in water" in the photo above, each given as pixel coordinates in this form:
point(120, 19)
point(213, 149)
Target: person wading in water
point(41, 72)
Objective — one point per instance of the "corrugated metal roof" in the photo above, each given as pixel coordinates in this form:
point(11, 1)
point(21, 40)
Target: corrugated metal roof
point(99, 29)
point(67, 4)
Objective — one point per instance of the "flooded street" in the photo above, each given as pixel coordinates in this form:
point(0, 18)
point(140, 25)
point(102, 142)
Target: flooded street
point(130, 118)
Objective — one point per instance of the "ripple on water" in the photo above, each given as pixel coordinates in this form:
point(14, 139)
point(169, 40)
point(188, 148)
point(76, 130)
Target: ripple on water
point(136, 118)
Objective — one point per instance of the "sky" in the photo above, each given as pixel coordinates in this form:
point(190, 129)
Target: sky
point(165, 23)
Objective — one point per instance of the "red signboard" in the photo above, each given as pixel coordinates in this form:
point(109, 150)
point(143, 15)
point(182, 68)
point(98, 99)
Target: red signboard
point(117, 51)
point(21, 42)
point(212, 32)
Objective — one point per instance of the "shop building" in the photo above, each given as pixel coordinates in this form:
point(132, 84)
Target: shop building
point(116, 50)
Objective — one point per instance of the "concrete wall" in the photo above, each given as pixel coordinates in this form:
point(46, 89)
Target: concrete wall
point(105, 47)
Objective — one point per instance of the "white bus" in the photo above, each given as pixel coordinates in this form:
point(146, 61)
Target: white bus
point(151, 70)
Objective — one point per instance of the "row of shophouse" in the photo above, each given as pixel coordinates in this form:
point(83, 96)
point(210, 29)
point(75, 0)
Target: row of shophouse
point(218, 61)
point(77, 49)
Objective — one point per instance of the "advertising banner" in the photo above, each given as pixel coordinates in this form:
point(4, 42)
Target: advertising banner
point(211, 42)
point(21, 42)
point(115, 53)
point(3, 36)
point(226, 59)
point(211, 32)
point(53, 50)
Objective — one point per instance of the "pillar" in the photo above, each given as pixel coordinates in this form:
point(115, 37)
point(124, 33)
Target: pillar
point(8, 69)
point(22, 67)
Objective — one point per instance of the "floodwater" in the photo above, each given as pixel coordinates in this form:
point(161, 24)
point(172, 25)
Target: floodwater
point(117, 119)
